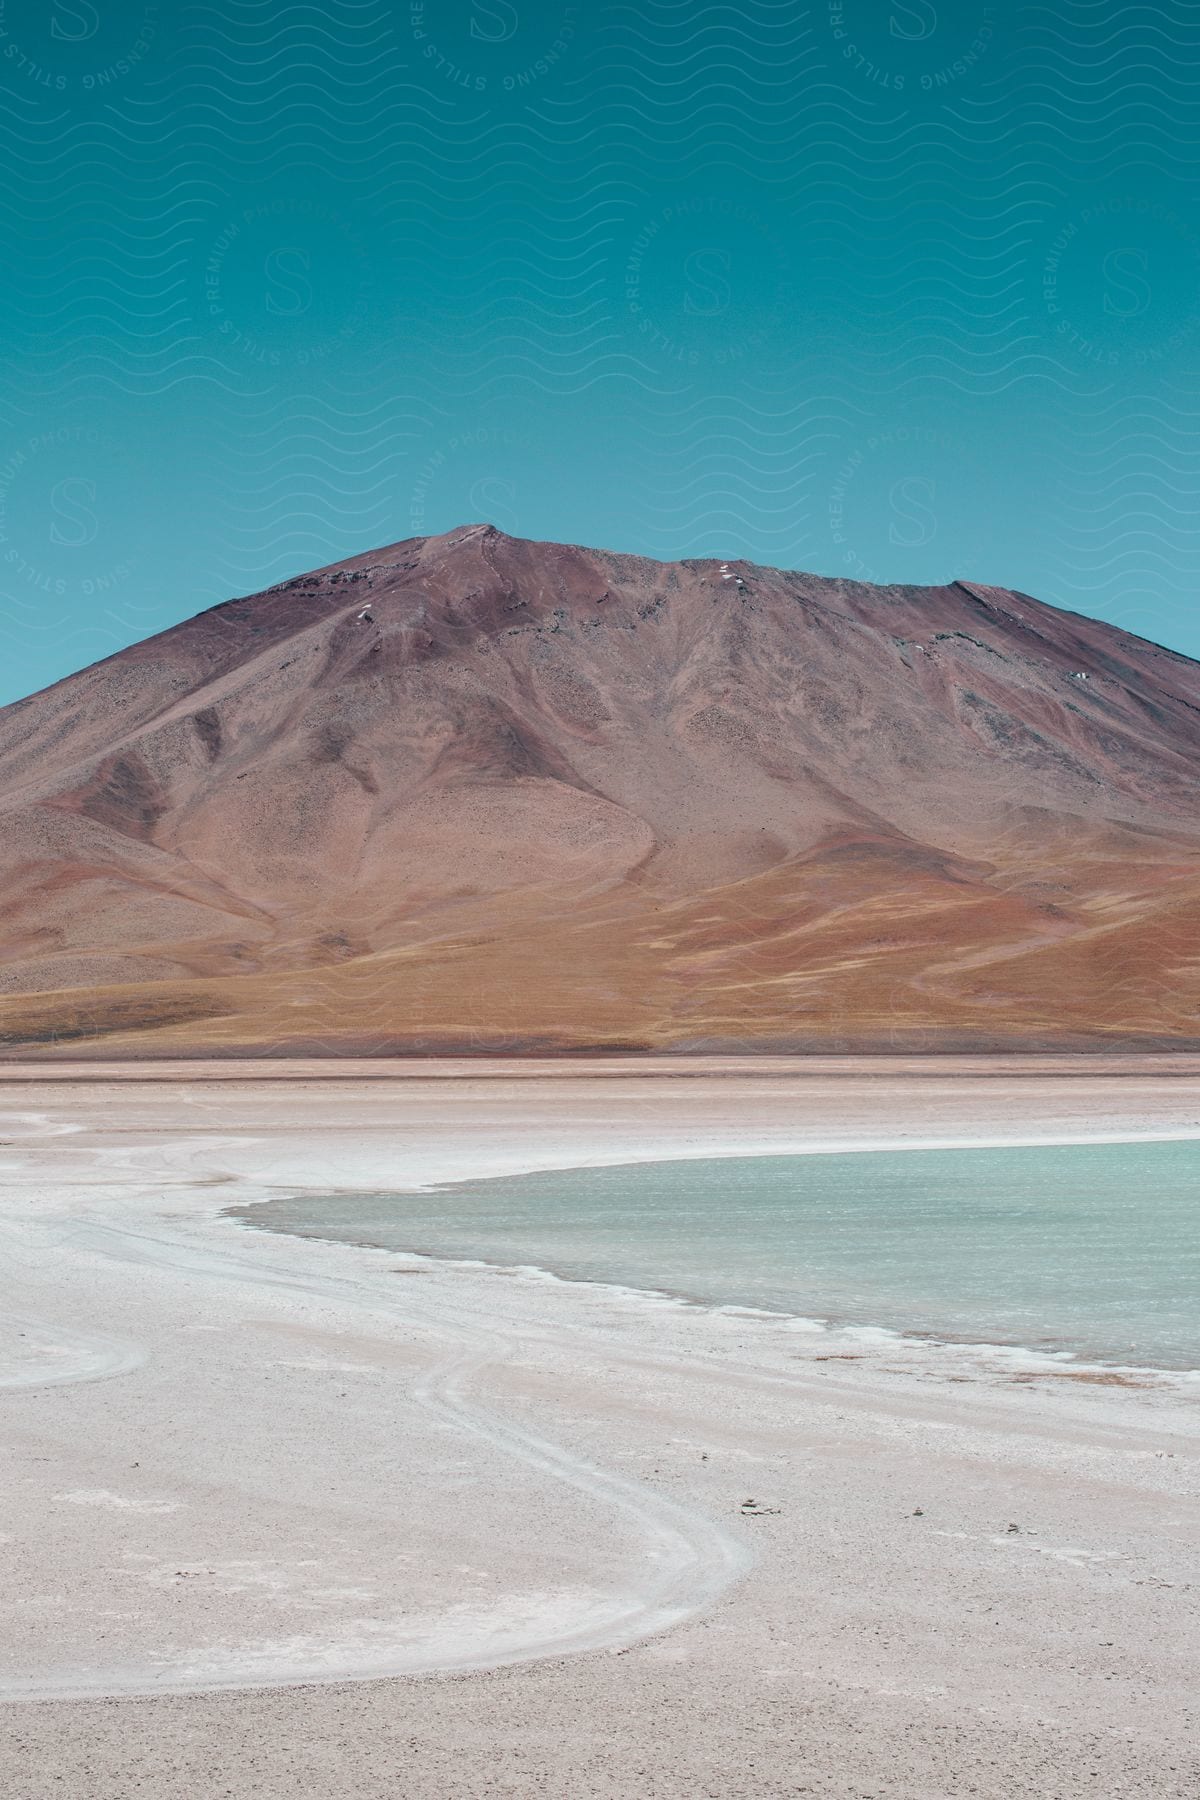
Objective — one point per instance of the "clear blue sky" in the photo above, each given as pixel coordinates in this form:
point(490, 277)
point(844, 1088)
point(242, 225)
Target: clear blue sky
point(902, 289)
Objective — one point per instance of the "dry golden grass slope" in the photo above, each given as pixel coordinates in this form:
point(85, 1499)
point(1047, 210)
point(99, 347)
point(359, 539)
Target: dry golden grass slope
point(476, 793)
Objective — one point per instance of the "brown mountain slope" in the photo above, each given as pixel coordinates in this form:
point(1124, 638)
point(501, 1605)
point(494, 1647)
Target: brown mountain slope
point(472, 792)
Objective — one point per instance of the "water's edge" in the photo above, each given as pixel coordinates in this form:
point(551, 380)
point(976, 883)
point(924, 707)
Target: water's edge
point(271, 1214)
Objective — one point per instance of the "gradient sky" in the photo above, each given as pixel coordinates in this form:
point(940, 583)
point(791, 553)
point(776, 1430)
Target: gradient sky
point(901, 290)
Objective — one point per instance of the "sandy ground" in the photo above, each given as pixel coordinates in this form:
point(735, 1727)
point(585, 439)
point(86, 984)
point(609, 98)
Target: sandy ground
point(293, 1519)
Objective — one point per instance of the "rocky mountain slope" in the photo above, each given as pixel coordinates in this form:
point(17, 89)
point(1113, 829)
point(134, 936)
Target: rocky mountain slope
point(473, 793)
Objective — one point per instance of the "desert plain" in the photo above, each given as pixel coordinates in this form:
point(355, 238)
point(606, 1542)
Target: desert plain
point(287, 1518)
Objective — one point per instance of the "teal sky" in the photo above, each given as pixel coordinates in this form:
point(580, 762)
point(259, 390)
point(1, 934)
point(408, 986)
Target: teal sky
point(904, 291)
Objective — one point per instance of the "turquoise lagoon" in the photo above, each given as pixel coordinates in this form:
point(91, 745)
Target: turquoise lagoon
point(1091, 1250)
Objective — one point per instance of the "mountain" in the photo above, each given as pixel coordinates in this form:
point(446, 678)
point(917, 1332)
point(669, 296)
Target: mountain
point(472, 793)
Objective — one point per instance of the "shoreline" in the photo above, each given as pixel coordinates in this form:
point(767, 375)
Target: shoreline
point(1070, 1362)
point(1028, 1359)
point(257, 1462)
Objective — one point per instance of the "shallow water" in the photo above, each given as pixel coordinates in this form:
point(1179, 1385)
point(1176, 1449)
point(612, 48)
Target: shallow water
point(1094, 1250)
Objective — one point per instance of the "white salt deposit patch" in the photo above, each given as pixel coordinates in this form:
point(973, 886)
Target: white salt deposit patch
point(35, 1355)
point(1067, 1553)
point(33, 1125)
point(104, 1497)
point(240, 1575)
point(324, 1365)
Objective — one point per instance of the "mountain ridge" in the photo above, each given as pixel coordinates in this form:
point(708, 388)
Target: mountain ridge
point(473, 792)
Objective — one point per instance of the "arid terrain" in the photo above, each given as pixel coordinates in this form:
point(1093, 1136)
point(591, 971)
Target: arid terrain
point(582, 1540)
point(473, 794)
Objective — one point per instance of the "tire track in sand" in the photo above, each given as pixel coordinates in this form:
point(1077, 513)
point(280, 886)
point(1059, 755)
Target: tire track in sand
point(688, 1560)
